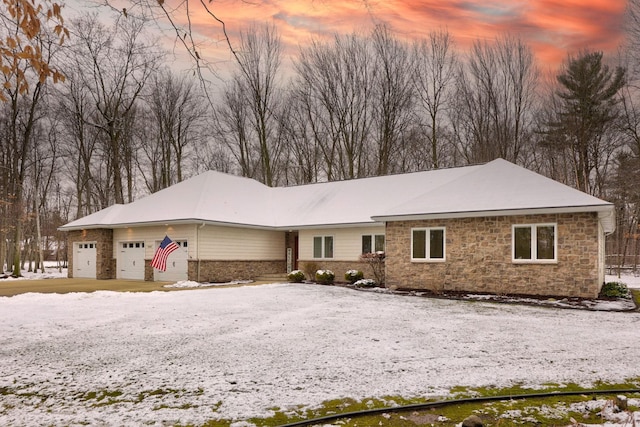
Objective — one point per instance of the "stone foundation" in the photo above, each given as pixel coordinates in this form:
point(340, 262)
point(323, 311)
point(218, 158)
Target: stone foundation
point(225, 271)
point(339, 268)
point(479, 257)
point(105, 263)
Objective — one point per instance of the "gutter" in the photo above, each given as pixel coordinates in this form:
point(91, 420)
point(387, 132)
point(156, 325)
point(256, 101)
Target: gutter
point(488, 213)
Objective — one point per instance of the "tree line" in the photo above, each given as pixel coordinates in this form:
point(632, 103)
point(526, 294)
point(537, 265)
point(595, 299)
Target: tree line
point(122, 124)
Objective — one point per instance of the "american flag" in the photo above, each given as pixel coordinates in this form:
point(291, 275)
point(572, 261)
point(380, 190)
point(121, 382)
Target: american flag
point(159, 260)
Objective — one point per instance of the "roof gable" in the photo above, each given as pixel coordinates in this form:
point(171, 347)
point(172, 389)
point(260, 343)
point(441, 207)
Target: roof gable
point(496, 186)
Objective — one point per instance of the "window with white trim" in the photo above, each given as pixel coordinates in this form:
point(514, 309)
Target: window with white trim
point(323, 246)
point(535, 243)
point(372, 243)
point(428, 244)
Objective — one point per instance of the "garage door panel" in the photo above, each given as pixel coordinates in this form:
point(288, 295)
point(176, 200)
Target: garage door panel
point(131, 260)
point(177, 264)
point(84, 260)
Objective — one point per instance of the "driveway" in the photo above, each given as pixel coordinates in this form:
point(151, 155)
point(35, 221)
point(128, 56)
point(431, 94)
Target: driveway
point(161, 358)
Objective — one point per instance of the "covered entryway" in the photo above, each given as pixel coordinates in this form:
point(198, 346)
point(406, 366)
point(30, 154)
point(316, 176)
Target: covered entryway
point(84, 259)
point(131, 260)
point(177, 264)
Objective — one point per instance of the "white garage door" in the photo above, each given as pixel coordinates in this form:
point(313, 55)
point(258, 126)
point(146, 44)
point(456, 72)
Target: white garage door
point(131, 260)
point(84, 260)
point(176, 264)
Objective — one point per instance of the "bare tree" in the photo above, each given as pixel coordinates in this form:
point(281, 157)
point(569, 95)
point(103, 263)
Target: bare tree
point(302, 166)
point(114, 64)
point(393, 98)
point(171, 128)
point(336, 83)
point(232, 128)
point(496, 99)
point(434, 76)
point(23, 91)
point(255, 86)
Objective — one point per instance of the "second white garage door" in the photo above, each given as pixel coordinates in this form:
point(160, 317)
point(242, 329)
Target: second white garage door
point(177, 265)
point(131, 260)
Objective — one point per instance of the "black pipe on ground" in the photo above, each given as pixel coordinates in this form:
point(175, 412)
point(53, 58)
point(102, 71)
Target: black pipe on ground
point(442, 403)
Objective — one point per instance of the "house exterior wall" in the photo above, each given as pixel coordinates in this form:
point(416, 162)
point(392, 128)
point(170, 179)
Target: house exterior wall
point(347, 247)
point(105, 261)
point(216, 253)
point(234, 243)
point(227, 270)
point(347, 242)
point(479, 257)
point(152, 234)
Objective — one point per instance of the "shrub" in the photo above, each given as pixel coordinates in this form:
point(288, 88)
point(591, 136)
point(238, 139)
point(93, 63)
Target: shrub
point(296, 276)
point(309, 268)
point(365, 283)
point(325, 277)
point(615, 290)
point(376, 262)
point(353, 276)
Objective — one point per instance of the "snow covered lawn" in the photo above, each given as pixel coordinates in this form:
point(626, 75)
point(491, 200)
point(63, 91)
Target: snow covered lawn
point(168, 357)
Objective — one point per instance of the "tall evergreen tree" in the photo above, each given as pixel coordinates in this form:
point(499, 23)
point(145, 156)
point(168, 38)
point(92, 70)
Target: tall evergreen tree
point(588, 107)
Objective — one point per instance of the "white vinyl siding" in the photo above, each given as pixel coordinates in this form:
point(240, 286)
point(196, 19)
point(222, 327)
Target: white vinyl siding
point(233, 243)
point(347, 242)
point(149, 235)
point(216, 242)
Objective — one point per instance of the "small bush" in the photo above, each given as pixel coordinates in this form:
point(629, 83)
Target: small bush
point(615, 290)
point(365, 283)
point(296, 276)
point(376, 262)
point(325, 277)
point(309, 268)
point(353, 276)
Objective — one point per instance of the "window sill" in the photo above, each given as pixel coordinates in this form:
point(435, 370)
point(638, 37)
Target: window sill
point(535, 261)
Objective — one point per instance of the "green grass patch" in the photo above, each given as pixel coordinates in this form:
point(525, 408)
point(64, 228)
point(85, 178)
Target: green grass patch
point(542, 411)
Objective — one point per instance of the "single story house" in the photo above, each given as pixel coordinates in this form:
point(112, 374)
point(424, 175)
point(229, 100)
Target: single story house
point(495, 228)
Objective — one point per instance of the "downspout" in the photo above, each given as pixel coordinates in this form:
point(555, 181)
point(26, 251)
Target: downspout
point(198, 250)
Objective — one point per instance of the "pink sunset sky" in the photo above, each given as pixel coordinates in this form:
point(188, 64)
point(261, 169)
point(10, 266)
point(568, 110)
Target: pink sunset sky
point(553, 28)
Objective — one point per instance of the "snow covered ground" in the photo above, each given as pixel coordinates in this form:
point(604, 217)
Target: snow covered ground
point(107, 358)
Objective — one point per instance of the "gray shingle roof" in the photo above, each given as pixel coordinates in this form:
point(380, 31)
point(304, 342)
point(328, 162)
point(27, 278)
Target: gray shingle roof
point(497, 187)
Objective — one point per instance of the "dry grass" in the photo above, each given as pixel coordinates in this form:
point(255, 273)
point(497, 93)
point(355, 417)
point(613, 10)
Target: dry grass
point(63, 286)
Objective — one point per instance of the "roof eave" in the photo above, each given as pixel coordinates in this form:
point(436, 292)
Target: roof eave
point(186, 221)
point(330, 225)
point(604, 208)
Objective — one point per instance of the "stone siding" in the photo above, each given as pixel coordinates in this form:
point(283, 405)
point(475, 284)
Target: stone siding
point(105, 263)
point(224, 271)
point(479, 257)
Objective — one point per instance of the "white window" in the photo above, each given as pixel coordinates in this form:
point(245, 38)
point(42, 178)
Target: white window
point(372, 243)
point(323, 247)
point(428, 244)
point(535, 243)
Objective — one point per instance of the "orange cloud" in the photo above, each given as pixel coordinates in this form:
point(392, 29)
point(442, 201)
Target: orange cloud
point(554, 28)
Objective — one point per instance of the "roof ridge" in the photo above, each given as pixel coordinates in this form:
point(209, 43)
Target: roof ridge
point(383, 176)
